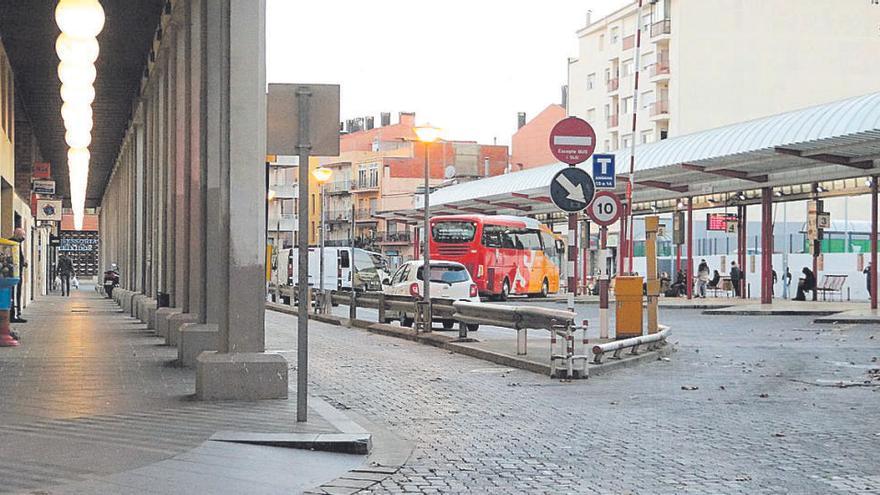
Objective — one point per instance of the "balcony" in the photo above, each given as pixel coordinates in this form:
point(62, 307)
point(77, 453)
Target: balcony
point(660, 108)
point(402, 237)
point(661, 28)
point(285, 222)
point(338, 216)
point(661, 68)
point(285, 191)
point(338, 187)
point(629, 42)
point(365, 215)
point(613, 84)
point(612, 121)
point(365, 186)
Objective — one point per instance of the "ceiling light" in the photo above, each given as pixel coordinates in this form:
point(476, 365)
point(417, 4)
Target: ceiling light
point(71, 111)
point(76, 74)
point(869, 182)
point(778, 193)
point(80, 18)
point(77, 94)
point(77, 50)
point(78, 156)
point(741, 196)
point(821, 189)
point(78, 138)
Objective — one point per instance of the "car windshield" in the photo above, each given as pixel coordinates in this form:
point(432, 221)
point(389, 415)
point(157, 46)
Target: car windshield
point(449, 274)
point(456, 232)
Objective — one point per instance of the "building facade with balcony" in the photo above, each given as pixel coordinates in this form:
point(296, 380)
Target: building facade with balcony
point(282, 223)
point(381, 169)
point(709, 64)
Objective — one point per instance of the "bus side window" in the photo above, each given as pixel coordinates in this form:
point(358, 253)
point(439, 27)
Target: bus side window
point(549, 245)
point(491, 236)
point(343, 259)
point(508, 239)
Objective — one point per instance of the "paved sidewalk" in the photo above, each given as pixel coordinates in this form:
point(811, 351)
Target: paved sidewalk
point(91, 402)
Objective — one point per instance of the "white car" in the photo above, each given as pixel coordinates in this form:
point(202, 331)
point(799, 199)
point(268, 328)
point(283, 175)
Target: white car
point(449, 280)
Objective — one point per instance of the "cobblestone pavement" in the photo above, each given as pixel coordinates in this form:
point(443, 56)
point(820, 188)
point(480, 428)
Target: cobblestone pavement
point(746, 405)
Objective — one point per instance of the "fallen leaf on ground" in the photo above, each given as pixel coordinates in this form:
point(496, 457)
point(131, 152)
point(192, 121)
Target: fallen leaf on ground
point(689, 387)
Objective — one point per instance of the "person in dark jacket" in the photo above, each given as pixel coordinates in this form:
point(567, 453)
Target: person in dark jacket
point(867, 272)
point(65, 271)
point(807, 284)
point(735, 278)
point(716, 279)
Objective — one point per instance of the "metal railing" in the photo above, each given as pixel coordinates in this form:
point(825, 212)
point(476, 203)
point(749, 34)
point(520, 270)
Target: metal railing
point(660, 68)
point(339, 186)
point(364, 214)
point(652, 342)
point(338, 215)
point(659, 107)
point(613, 84)
point(661, 27)
point(393, 237)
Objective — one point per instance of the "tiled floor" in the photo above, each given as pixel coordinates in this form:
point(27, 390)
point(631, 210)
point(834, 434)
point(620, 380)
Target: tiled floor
point(91, 392)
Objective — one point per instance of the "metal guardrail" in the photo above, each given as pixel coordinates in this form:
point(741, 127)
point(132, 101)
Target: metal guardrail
point(652, 341)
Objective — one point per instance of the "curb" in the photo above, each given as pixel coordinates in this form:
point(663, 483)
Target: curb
point(772, 312)
point(344, 443)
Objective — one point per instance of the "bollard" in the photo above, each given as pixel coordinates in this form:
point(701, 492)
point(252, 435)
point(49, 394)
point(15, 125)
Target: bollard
point(382, 308)
point(352, 305)
point(462, 330)
point(521, 341)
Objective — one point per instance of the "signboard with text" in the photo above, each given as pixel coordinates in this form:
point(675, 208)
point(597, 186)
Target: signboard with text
point(49, 209)
point(42, 170)
point(603, 172)
point(572, 140)
point(720, 221)
point(43, 187)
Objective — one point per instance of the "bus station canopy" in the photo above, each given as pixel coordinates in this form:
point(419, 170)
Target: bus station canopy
point(834, 141)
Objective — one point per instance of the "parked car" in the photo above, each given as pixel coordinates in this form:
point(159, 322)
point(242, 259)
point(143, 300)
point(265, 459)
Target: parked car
point(449, 280)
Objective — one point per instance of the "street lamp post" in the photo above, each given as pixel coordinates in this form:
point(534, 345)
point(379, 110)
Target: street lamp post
point(427, 135)
point(322, 176)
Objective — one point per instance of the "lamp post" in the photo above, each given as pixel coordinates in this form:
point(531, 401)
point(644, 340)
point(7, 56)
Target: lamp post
point(427, 135)
point(322, 176)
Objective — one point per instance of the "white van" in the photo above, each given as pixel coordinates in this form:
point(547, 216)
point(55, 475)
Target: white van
point(368, 271)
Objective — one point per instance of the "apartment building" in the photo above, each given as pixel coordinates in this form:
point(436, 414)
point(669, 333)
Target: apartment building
point(281, 220)
point(709, 63)
point(380, 169)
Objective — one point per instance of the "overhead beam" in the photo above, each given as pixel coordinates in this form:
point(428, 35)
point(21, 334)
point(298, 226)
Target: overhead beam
point(662, 185)
point(726, 172)
point(503, 205)
point(469, 210)
point(542, 199)
point(846, 161)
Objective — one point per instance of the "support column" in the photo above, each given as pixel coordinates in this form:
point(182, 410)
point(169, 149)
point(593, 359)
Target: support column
point(767, 245)
point(621, 239)
point(689, 273)
point(236, 98)
point(572, 252)
point(743, 244)
point(873, 271)
point(817, 244)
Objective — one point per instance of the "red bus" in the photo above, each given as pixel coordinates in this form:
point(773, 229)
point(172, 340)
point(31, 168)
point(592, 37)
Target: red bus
point(504, 254)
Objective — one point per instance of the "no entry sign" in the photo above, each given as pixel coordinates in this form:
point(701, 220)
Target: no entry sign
point(572, 140)
point(605, 208)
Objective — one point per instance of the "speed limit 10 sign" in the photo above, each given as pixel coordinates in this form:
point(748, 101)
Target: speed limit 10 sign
point(605, 208)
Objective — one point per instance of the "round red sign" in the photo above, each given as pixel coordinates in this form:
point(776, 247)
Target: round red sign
point(572, 140)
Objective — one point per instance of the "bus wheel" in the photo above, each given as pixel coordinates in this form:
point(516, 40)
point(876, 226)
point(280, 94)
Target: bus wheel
point(447, 324)
point(505, 291)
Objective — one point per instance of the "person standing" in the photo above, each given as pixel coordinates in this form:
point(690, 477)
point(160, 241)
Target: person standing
point(786, 282)
point(735, 278)
point(807, 284)
point(65, 271)
point(702, 278)
point(19, 236)
point(867, 272)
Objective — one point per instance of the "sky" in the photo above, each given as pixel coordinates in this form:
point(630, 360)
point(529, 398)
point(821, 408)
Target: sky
point(467, 67)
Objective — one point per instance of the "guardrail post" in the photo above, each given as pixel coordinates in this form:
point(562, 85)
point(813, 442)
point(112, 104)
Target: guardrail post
point(382, 308)
point(462, 330)
point(521, 341)
point(352, 305)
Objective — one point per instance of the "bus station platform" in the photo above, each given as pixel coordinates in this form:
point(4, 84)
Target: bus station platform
point(93, 402)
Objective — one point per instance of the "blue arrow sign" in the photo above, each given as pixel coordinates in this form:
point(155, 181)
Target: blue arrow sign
point(603, 172)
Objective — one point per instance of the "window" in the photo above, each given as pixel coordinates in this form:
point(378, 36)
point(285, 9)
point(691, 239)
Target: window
point(626, 105)
point(607, 75)
point(607, 110)
point(453, 232)
point(591, 81)
point(601, 42)
point(529, 240)
point(647, 137)
point(647, 60)
point(399, 275)
point(626, 141)
point(647, 99)
point(615, 35)
point(627, 68)
point(591, 115)
point(343, 259)
point(492, 235)
point(550, 243)
point(607, 145)
point(447, 274)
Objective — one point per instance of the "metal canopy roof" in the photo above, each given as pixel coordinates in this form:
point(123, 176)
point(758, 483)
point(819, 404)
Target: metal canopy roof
point(28, 31)
point(838, 140)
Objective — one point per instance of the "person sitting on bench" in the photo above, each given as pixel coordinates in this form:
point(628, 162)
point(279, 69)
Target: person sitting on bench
point(716, 279)
point(806, 284)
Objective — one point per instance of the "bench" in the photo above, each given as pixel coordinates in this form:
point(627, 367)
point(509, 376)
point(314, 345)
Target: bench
point(724, 286)
point(831, 284)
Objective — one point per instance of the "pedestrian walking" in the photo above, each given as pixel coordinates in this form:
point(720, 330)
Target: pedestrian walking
point(702, 278)
point(867, 272)
point(735, 278)
point(65, 271)
point(806, 284)
point(19, 236)
point(773, 285)
point(786, 282)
